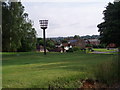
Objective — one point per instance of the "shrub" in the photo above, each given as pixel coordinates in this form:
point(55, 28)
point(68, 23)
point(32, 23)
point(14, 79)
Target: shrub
point(76, 48)
point(70, 50)
point(101, 46)
point(89, 45)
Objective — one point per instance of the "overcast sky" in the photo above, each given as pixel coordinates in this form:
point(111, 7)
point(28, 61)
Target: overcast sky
point(66, 17)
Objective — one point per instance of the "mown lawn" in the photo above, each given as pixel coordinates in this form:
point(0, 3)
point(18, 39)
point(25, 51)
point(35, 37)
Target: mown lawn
point(103, 49)
point(34, 70)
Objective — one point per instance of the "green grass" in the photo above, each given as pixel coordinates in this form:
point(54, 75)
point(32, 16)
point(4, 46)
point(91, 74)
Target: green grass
point(103, 50)
point(34, 70)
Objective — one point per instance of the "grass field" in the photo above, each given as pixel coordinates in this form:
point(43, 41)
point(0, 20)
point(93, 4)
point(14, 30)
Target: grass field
point(104, 50)
point(34, 70)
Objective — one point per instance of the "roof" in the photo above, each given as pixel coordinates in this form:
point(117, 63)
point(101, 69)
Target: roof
point(72, 41)
point(93, 40)
point(64, 44)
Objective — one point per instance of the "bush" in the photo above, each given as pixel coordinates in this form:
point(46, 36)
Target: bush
point(76, 48)
point(101, 46)
point(108, 72)
point(70, 50)
point(89, 45)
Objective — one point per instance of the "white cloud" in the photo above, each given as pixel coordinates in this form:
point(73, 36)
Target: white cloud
point(66, 19)
point(65, 0)
point(116, 0)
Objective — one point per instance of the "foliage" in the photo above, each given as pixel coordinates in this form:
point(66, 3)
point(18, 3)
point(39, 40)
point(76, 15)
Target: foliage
point(64, 41)
point(76, 37)
point(108, 72)
point(90, 37)
point(17, 31)
point(110, 28)
point(70, 50)
point(99, 46)
point(89, 45)
point(40, 41)
point(76, 48)
point(49, 43)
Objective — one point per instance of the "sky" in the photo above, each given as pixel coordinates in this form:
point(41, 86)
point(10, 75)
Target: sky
point(66, 17)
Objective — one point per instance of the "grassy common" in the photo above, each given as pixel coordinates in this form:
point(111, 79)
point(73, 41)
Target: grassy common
point(34, 70)
point(103, 50)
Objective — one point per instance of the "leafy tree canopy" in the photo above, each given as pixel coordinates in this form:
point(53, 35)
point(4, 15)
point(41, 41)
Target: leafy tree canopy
point(76, 37)
point(17, 31)
point(110, 28)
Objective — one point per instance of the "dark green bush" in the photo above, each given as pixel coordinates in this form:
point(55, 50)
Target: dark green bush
point(70, 50)
point(89, 45)
point(76, 48)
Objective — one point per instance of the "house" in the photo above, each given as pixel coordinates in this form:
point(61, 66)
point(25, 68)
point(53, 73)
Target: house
point(65, 47)
point(72, 43)
point(40, 48)
point(111, 45)
point(78, 42)
point(92, 41)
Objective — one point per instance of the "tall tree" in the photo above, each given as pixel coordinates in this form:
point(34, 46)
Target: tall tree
point(110, 28)
point(16, 27)
point(5, 29)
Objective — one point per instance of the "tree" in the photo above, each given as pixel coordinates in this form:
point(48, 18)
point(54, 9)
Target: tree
point(76, 37)
point(64, 41)
point(16, 28)
point(110, 28)
point(28, 40)
point(5, 29)
point(50, 44)
point(40, 41)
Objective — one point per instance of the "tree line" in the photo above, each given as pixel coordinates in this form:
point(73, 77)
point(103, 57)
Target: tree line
point(17, 31)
